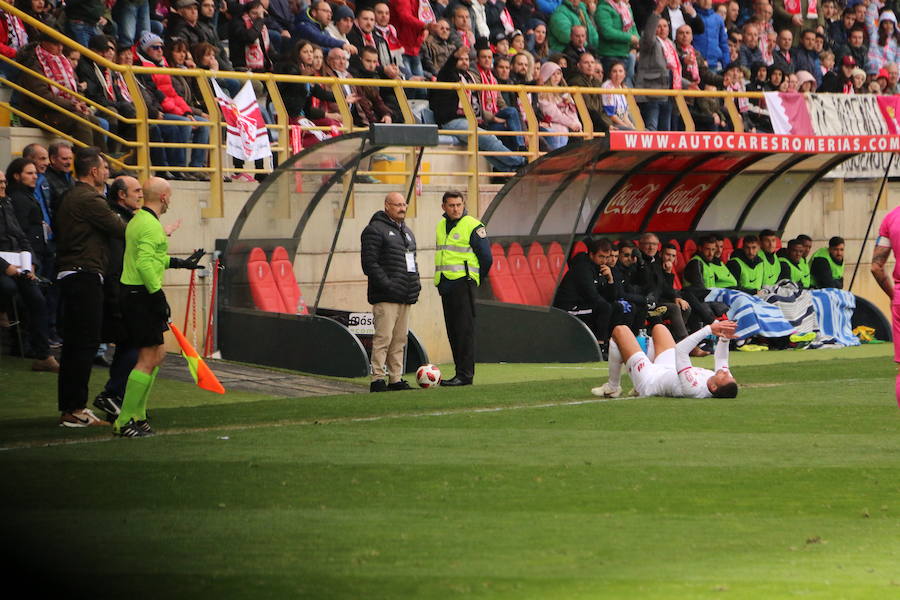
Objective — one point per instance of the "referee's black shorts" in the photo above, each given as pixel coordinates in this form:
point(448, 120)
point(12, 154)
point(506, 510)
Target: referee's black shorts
point(144, 322)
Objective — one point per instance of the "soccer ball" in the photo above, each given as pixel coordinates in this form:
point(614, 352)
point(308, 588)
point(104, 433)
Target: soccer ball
point(428, 376)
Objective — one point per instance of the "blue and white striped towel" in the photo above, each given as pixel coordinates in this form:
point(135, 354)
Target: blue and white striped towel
point(834, 309)
point(753, 315)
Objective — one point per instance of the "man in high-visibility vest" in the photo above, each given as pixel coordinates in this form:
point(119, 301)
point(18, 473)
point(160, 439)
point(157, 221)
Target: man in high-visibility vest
point(793, 266)
point(462, 260)
point(747, 266)
point(826, 269)
point(703, 272)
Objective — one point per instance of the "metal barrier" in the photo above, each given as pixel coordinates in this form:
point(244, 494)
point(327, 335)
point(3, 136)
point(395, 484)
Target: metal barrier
point(137, 158)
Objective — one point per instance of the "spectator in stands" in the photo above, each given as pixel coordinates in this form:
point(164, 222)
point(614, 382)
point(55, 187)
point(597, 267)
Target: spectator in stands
point(178, 56)
point(516, 42)
point(46, 57)
point(310, 25)
point(793, 266)
point(840, 82)
point(175, 107)
point(830, 14)
point(342, 23)
point(449, 114)
point(389, 33)
point(569, 14)
point(280, 22)
point(589, 74)
point(462, 28)
point(826, 269)
point(522, 13)
point(616, 105)
point(695, 71)
point(750, 52)
point(545, 8)
point(132, 19)
point(618, 35)
point(558, 110)
point(370, 69)
point(732, 16)
point(522, 68)
point(364, 34)
point(797, 15)
point(678, 13)
point(712, 43)
point(883, 46)
point(59, 172)
point(207, 20)
point(248, 38)
point(703, 272)
point(575, 48)
point(36, 9)
point(659, 68)
point(298, 97)
point(857, 48)
point(368, 107)
point(13, 37)
point(502, 70)
point(839, 31)
point(806, 83)
point(184, 23)
point(13, 280)
point(893, 72)
point(438, 46)
point(539, 46)
point(84, 19)
point(589, 290)
point(498, 116)
point(498, 18)
point(747, 266)
point(782, 56)
point(411, 19)
point(859, 81)
point(101, 87)
point(806, 58)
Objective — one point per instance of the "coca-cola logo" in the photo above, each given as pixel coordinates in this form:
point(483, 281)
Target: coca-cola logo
point(683, 199)
point(631, 200)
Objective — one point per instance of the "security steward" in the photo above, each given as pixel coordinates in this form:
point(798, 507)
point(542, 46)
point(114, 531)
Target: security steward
point(747, 266)
point(793, 266)
point(826, 269)
point(146, 260)
point(388, 255)
point(462, 260)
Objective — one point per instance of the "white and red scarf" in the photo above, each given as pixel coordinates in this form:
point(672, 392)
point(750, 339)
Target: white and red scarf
point(105, 77)
point(743, 104)
point(672, 62)
point(122, 86)
point(255, 53)
point(425, 12)
point(692, 67)
point(625, 12)
point(489, 97)
point(794, 7)
point(390, 36)
point(58, 68)
point(18, 37)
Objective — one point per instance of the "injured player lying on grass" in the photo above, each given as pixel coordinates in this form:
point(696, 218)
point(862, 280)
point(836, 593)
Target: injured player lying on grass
point(666, 369)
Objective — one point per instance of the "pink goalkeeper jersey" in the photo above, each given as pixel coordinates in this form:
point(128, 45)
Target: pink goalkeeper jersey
point(889, 236)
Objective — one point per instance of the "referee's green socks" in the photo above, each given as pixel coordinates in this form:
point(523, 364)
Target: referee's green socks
point(136, 390)
point(142, 408)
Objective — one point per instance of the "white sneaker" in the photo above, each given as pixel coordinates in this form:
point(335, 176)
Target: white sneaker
point(93, 420)
point(607, 390)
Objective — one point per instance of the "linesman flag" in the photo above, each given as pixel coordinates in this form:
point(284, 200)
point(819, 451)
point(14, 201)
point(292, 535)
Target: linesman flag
point(203, 376)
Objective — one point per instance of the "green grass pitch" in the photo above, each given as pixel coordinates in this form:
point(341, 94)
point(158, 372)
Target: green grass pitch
point(522, 486)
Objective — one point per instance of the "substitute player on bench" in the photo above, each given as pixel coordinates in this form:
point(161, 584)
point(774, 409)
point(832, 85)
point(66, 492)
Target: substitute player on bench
point(666, 369)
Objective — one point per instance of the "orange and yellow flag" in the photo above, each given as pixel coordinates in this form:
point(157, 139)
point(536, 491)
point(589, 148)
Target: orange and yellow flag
point(204, 377)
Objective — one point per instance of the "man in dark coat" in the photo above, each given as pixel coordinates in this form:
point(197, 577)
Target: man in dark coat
point(388, 256)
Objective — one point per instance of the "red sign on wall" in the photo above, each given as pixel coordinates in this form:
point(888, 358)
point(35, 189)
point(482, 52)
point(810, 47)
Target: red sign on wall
point(678, 209)
point(628, 207)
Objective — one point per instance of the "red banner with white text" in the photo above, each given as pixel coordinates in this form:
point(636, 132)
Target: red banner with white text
point(708, 141)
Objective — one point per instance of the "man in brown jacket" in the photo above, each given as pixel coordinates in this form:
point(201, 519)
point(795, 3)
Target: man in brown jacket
point(85, 225)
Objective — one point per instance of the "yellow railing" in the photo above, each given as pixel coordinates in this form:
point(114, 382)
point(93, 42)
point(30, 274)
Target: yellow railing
point(137, 156)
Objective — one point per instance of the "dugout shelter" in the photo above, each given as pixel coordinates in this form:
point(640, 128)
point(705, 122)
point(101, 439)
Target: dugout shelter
point(678, 185)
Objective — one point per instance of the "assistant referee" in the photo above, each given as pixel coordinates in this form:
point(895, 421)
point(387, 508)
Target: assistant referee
point(146, 260)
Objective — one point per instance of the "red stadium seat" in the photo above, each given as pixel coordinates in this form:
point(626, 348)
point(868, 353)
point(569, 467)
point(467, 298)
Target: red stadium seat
point(557, 258)
point(578, 248)
point(677, 283)
point(543, 276)
point(283, 272)
point(521, 272)
point(727, 249)
point(689, 249)
point(262, 284)
point(740, 242)
point(676, 243)
point(503, 286)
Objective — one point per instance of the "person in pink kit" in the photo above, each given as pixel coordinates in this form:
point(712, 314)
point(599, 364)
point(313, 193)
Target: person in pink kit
point(889, 239)
point(666, 369)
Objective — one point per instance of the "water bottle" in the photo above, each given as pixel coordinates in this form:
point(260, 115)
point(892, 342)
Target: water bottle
point(642, 340)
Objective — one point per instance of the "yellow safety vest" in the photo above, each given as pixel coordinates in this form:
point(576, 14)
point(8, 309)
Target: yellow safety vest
point(452, 250)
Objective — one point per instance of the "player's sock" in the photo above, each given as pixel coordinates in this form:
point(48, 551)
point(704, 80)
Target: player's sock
point(142, 408)
point(615, 364)
point(138, 385)
point(651, 350)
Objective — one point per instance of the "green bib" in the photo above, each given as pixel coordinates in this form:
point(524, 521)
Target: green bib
point(837, 271)
point(715, 276)
point(799, 273)
point(771, 269)
point(751, 278)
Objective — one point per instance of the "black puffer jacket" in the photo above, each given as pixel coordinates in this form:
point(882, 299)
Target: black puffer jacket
point(384, 247)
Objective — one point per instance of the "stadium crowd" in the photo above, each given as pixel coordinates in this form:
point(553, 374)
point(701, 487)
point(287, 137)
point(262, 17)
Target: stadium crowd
point(622, 282)
point(746, 45)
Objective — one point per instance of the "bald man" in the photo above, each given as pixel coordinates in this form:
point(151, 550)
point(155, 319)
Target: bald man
point(146, 260)
point(388, 257)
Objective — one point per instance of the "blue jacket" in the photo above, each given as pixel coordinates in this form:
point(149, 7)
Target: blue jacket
point(547, 6)
point(713, 42)
point(308, 29)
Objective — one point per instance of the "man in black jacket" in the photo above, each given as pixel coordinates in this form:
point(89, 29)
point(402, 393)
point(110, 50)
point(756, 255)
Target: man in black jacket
point(388, 256)
point(589, 291)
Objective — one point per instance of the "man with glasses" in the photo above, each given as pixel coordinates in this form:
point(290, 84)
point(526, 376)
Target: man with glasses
point(388, 255)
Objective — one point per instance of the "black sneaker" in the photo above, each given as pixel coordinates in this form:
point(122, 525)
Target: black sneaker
point(145, 427)
point(379, 385)
point(108, 403)
point(398, 386)
point(130, 430)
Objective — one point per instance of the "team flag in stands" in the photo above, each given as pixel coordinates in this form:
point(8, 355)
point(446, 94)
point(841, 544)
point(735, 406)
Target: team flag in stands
point(789, 113)
point(203, 376)
point(890, 110)
point(247, 135)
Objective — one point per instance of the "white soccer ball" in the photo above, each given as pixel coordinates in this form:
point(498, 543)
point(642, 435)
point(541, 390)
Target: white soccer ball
point(428, 376)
